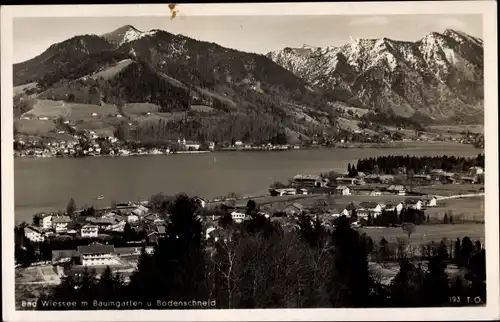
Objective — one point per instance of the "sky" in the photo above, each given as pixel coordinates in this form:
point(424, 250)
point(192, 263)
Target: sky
point(258, 34)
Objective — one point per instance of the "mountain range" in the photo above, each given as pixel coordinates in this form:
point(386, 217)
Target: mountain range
point(438, 78)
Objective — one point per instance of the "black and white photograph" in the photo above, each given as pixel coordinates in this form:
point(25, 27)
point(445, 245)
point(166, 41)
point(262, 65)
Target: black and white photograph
point(201, 161)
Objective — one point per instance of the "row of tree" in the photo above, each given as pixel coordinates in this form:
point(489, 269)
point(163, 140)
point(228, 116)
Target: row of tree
point(390, 164)
point(259, 264)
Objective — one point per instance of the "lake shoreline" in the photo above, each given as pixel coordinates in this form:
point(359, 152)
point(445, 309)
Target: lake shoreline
point(341, 146)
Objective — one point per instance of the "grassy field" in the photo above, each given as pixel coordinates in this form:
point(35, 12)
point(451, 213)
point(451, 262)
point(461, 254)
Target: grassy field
point(35, 127)
point(22, 88)
point(449, 189)
point(84, 112)
point(426, 233)
point(111, 72)
point(48, 108)
point(468, 208)
point(140, 108)
point(473, 128)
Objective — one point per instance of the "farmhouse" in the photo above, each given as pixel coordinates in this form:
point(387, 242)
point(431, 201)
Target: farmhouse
point(398, 206)
point(414, 203)
point(366, 208)
point(430, 201)
point(375, 192)
point(345, 180)
point(34, 234)
point(343, 190)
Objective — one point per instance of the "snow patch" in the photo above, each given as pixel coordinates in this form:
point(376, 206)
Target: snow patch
point(450, 55)
point(132, 35)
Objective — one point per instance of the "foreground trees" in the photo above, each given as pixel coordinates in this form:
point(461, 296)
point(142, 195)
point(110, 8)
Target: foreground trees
point(259, 264)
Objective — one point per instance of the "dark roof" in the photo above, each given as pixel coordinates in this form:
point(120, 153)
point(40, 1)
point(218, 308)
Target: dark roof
point(66, 253)
point(33, 228)
point(411, 201)
point(368, 204)
point(61, 219)
point(96, 249)
point(351, 206)
point(106, 221)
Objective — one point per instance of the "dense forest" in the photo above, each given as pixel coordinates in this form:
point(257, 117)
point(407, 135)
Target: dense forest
point(257, 264)
point(391, 164)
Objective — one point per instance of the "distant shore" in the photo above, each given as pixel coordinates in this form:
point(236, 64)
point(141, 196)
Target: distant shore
point(365, 145)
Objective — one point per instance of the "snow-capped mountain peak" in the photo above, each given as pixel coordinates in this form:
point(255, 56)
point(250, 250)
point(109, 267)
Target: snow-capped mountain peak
point(126, 34)
point(403, 76)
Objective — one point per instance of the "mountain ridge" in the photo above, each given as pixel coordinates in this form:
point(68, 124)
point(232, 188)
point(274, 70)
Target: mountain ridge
point(403, 76)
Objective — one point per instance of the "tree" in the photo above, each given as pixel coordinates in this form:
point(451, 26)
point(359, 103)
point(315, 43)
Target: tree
point(445, 219)
point(466, 251)
point(128, 233)
point(406, 287)
point(457, 252)
point(71, 207)
point(436, 290)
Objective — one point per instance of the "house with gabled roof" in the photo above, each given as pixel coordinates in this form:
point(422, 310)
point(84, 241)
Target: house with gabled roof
point(430, 201)
point(294, 209)
point(414, 203)
point(369, 207)
point(97, 254)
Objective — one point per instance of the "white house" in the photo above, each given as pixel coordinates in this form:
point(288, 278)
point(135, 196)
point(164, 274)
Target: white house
point(60, 223)
point(375, 192)
point(366, 208)
point(476, 170)
point(97, 254)
point(394, 206)
point(89, 231)
point(132, 218)
point(238, 217)
point(34, 234)
point(430, 201)
point(343, 190)
point(47, 222)
point(140, 210)
point(414, 203)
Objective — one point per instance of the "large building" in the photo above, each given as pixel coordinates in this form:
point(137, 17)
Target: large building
point(98, 254)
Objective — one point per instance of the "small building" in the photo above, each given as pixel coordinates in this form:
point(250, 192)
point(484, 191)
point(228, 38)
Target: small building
point(302, 191)
point(89, 231)
point(132, 218)
point(398, 206)
point(430, 201)
point(60, 223)
point(140, 210)
point(343, 190)
point(306, 179)
point(97, 254)
point(476, 171)
point(34, 234)
point(46, 221)
point(375, 192)
point(414, 203)
point(386, 178)
point(346, 180)
point(238, 217)
point(367, 208)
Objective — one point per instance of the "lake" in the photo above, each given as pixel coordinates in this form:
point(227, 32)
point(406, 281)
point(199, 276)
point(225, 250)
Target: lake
point(48, 184)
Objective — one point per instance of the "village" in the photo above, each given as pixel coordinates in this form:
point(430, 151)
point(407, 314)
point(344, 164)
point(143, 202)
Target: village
point(88, 143)
point(114, 236)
